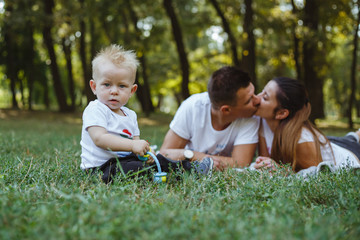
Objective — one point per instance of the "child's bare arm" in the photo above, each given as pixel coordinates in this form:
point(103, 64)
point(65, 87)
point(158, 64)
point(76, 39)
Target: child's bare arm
point(108, 141)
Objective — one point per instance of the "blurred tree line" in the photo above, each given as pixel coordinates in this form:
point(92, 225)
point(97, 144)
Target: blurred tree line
point(47, 47)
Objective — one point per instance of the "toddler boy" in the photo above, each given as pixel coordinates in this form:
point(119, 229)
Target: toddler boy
point(110, 131)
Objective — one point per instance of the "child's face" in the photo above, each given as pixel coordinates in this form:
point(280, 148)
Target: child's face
point(114, 86)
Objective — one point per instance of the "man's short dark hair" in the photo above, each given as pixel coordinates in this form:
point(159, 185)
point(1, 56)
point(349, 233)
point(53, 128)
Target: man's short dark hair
point(224, 83)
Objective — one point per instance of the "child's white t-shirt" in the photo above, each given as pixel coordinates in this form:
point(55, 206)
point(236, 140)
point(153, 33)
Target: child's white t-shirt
point(192, 121)
point(98, 114)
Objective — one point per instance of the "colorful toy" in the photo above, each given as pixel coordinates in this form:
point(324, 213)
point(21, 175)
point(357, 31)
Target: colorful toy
point(160, 176)
point(143, 158)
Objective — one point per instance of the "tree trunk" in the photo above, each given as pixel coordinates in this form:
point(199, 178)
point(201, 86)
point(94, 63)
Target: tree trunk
point(58, 87)
point(71, 85)
point(160, 101)
point(28, 50)
point(46, 99)
point(10, 53)
point(353, 73)
point(93, 38)
point(21, 85)
point(312, 81)
point(180, 48)
point(30, 66)
point(226, 26)
point(296, 47)
point(249, 56)
point(143, 89)
point(84, 63)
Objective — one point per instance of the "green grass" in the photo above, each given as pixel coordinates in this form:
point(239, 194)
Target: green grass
point(45, 195)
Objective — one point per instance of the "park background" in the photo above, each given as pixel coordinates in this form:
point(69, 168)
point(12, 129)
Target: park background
point(45, 66)
point(47, 47)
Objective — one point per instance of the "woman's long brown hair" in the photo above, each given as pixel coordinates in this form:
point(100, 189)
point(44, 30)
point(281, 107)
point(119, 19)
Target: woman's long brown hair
point(291, 95)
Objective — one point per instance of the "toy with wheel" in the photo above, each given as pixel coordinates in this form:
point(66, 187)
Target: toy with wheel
point(160, 176)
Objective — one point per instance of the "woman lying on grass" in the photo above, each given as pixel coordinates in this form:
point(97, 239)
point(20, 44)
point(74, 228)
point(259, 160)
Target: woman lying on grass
point(288, 137)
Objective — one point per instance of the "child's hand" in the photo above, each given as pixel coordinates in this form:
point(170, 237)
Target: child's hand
point(150, 160)
point(140, 147)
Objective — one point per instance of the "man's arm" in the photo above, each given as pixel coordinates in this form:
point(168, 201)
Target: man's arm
point(173, 148)
point(242, 156)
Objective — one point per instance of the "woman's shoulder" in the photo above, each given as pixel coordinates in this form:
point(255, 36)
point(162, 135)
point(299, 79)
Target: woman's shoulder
point(306, 135)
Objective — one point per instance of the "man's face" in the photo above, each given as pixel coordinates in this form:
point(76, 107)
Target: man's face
point(246, 104)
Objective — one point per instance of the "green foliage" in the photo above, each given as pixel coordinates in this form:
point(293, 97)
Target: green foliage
point(45, 195)
point(206, 43)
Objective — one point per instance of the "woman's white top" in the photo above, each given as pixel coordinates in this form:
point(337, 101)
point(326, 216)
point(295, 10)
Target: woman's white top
point(329, 152)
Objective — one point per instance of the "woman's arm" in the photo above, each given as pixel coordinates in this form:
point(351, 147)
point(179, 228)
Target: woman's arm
point(306, 155)
point(263, 151)
point(305, 158)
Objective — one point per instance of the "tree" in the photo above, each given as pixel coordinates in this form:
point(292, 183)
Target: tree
point(227, 29)
point(353, 69)
point(311, 59)
point(296, 44)
point(177, 33)
point(49, 42)
point(143, 92)
point(249, 56)
point(83, 56)
point(9, 34)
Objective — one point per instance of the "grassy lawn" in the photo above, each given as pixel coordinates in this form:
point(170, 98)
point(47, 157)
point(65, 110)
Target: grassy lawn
point(45, 195)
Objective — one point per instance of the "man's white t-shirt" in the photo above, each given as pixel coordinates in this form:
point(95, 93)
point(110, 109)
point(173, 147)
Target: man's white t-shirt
point(192, 121)
point(329, 152)
point(98, 114)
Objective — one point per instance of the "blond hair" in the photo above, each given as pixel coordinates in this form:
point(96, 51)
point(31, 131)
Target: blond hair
point(118, 56)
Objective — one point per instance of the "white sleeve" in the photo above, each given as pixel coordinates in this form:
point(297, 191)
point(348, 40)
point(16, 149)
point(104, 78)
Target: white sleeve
point(94, 116)
point(248, 131)
point(306, 136)
point(182, 121)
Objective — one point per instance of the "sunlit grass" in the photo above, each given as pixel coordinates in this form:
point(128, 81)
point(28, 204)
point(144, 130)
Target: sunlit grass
point(45, 195)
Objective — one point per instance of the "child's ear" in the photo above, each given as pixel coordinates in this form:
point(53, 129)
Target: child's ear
point(282, 114)
point(93, 86)
point(134, 88)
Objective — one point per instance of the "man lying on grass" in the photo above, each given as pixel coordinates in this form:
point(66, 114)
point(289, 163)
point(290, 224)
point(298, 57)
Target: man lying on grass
point(217, 124)
point(110, 132)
